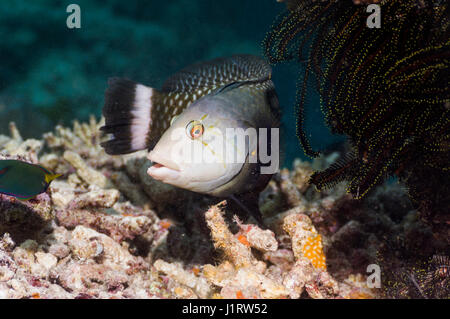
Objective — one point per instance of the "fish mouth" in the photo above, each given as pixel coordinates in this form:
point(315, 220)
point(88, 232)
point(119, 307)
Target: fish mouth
point(162, 169)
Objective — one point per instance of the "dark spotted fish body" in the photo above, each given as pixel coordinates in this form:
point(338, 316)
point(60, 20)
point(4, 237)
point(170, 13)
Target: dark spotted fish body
point(24, 180)
point(203, 100)
point(176, 94)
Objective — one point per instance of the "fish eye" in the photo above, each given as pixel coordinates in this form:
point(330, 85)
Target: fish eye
point(194, 129)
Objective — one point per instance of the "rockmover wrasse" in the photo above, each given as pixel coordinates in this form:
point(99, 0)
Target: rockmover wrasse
point(24, 180)
point(188, 125)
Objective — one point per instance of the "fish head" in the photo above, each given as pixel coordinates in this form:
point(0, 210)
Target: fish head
point(198, 152)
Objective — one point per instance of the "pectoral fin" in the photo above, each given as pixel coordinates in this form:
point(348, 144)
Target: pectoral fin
point(51, 177)
point(248, 203)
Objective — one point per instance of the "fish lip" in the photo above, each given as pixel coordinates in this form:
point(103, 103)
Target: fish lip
point(163, 170)
point(160, 162)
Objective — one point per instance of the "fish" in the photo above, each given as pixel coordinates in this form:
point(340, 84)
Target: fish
point(23, 180)
point(187, 126)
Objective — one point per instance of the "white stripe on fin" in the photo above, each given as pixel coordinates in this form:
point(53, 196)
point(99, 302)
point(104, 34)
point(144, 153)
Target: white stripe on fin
point(141, 122)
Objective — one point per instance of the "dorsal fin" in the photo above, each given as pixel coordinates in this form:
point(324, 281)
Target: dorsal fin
point(207, 76)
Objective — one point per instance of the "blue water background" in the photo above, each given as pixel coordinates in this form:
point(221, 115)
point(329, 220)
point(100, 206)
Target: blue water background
point(50, 74)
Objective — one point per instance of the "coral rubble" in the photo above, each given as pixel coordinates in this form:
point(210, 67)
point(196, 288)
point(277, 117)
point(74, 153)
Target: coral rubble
point(107, 230)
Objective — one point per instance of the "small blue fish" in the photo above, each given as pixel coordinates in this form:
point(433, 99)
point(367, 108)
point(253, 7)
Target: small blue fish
point(24, 180)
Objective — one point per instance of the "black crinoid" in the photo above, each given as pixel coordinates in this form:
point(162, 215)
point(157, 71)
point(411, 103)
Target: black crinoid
point(428, 280)
point(386, 88)
point(437, 281)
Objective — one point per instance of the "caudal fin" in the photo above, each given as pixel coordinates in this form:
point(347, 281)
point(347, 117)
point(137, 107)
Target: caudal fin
point(127, 112)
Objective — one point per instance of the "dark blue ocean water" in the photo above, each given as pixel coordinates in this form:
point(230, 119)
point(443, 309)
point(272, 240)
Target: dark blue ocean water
point(50, 74)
